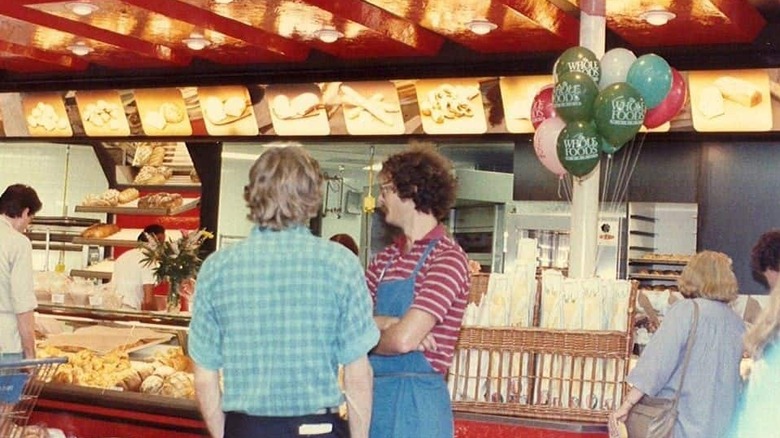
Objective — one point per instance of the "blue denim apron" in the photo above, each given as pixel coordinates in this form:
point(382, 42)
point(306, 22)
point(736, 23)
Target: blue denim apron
point(411, 399)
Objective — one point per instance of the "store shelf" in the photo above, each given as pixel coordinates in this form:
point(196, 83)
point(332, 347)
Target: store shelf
point(126, 237)
point(102, 270)
point(132, 208)
point(644, 261)
point(653, 277)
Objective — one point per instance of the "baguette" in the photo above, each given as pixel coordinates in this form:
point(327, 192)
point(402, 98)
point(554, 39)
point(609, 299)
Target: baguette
point(161, 200)
point(738, 90)
point(128, 195)
point(100, 231)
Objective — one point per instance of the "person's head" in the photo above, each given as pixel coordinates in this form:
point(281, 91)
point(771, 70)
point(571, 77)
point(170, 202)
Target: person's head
point(419, 179)
point(285, 187)
point(20, 203)
point(709, 275)
point(346, 240)
point(155, 230)
point(765, 258)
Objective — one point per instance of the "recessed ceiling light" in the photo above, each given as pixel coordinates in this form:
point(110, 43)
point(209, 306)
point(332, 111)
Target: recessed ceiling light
point(80, 48)
point(481, 27)
point(82, 8)
point(223, 2)
point(196, 41)
point(328, 35)
point(657, 16)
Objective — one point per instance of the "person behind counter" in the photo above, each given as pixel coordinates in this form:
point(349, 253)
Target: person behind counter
point(712, 383)
point(134, 280)
point(420, 288)
point(18, 204)
point(278, 313)
point(762, 342)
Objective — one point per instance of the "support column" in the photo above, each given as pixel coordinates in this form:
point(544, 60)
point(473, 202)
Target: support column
point(585, 198)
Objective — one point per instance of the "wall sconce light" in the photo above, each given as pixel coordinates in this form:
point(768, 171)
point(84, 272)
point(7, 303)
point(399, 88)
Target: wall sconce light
point(328, 35)
point(82, 9)
point(657, 16)
point(80, 48)
point(196, 41)
point(481, 27)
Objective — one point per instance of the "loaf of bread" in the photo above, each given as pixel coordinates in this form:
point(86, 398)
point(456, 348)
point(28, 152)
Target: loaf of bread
point(738, 90)
point(128, 195)
point(100, 231)
point(152, 384)
point(130, 380)
point(160, 200)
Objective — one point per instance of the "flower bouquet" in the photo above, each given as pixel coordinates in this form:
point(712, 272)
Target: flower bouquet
point(175, 260)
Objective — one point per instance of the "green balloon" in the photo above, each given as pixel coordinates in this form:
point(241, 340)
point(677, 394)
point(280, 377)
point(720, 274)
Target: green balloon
point(608, 148)
point(619, 112)
point(573, 96)
point(579, 147)
point(579, 59)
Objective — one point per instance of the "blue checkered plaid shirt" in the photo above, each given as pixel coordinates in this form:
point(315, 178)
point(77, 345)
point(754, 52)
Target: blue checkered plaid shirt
point(277, 313)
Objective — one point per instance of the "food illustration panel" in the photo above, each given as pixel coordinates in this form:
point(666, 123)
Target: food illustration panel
point(730, 100)
point(518, 94)
point(162, 112)
point(102, 113)
point(297, 109)
point(227, 110)
point(46, 115)
point(451, 106)
point(371, 108)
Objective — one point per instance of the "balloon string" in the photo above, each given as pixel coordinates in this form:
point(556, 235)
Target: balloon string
point(569, 181)
point(622, 171)
point(607, 172)
point(633, 164)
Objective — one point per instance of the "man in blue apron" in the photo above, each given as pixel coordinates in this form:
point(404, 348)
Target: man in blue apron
point(420, 287)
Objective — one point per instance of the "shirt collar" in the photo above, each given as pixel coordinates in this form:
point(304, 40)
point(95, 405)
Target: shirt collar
point(436, 233)
point(4, 221)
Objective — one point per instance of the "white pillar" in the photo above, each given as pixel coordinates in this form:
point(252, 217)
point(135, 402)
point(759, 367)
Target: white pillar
point(585, 198)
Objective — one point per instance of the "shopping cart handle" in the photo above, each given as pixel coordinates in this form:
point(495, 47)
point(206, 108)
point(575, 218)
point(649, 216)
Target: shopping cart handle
point(25, 363)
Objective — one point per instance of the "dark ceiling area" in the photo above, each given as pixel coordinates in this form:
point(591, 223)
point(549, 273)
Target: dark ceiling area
point(50, 45)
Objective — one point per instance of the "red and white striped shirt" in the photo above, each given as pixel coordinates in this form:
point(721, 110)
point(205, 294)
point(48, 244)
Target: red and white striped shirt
point(441, 287)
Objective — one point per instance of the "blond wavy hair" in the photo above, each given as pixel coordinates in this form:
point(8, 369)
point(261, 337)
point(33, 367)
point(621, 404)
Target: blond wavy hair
point(709, 275)
point(766, 327)
point(285, 187)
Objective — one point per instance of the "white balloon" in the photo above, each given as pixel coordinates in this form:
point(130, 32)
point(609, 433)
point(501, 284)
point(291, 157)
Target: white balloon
point(614, 66)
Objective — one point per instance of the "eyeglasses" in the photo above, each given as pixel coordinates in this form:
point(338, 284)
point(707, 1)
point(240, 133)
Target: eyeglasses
point(386, 188)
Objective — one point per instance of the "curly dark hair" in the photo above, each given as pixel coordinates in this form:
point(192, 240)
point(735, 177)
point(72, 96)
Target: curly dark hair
point(765, 254)
point(424, 176)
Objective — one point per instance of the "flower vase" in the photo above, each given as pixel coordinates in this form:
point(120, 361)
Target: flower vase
point(173, 300)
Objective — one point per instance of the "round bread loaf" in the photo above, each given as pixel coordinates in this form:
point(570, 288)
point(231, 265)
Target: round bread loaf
point(128, 195)
point(152, 384)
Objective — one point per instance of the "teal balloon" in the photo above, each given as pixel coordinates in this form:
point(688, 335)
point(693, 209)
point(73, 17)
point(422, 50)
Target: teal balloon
point(579, 147)
point(573, 96)
point(578, 59)
point(619, 112)
point(651, 76)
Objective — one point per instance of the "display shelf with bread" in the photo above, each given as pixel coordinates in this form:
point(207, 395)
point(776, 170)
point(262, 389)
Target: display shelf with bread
point(157, 178)
point(162, 204)
point(125, 237)
point(103, 270)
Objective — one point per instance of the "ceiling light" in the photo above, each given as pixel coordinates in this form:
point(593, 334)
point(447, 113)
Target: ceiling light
point(80, 48)
point(657, 16)
point(196, 41)
point(223, 2)
point(328, 35)
point(481, 27)
point(81, 8)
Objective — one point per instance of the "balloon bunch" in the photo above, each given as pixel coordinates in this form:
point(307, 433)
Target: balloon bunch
point(596, 106)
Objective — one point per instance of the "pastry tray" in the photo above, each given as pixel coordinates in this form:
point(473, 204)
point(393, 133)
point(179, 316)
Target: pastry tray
point(127, 237)
point(133, 209)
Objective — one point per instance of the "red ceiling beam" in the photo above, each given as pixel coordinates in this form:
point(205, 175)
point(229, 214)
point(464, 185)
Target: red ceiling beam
point(373, 17)
point(36, 17)
point(206, 19)
point(43, 57)
point(550, 17)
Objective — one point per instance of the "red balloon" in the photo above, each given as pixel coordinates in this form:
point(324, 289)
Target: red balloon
point(670, 106)
point(542, 108)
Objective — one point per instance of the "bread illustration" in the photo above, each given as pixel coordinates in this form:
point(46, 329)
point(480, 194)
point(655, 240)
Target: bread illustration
point(303, 105)
point(738, 90)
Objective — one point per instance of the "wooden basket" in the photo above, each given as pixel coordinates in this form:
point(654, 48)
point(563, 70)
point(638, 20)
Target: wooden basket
point(541, 373)
point(478, 288)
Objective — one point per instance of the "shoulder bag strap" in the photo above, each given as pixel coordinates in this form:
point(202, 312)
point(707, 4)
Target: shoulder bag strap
point(688, 347)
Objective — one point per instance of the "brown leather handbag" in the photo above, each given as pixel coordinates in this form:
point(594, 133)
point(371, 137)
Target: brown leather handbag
point(655, 417)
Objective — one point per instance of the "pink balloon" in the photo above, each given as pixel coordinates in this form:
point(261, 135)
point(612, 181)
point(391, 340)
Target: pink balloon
point(546, 144)
point(542, 107)
point(670, 106)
